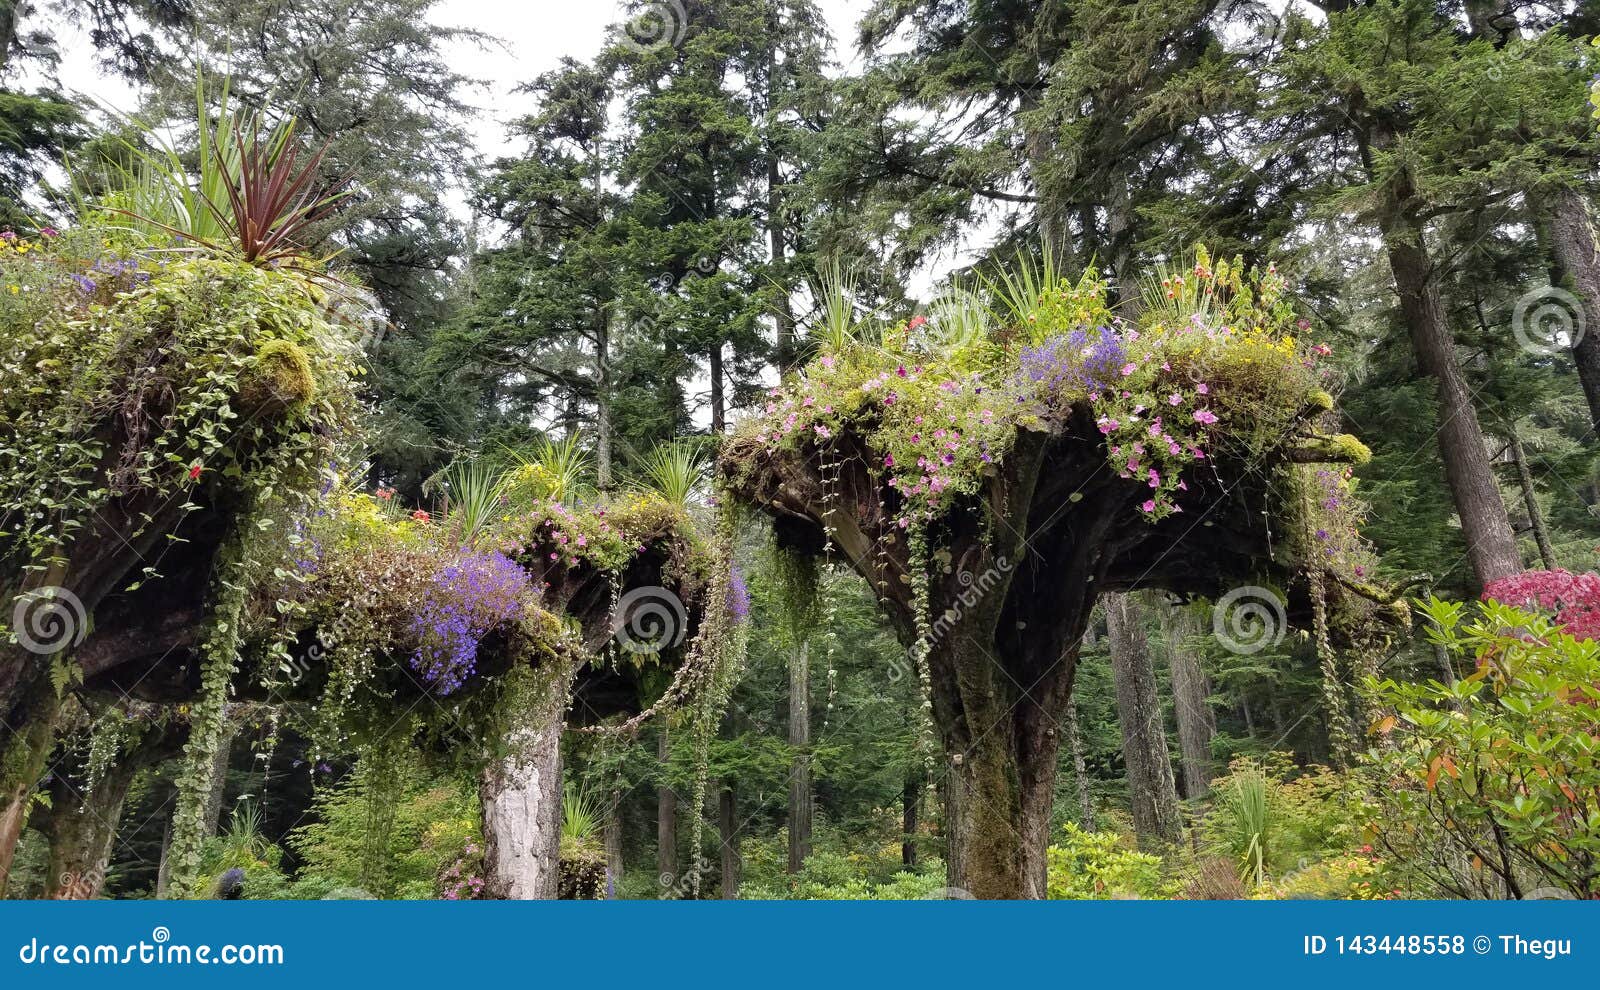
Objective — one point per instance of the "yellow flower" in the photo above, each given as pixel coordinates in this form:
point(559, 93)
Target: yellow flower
point(14, 289)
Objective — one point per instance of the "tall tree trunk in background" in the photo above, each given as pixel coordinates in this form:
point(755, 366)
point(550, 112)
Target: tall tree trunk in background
point(1153, 794)
point(602, 348)
point(219, 779)
point(666, 820)
point(728, 834)
point(602, 404)
point(1491, 545)
point(1191, 692)
point(1577, 267)
point(1530, 498)
point(1080, 767)
point(910, 796)
point(613, 840)
point(799, 744)
point(782, 315)
point(520, 793)
point(719, 404)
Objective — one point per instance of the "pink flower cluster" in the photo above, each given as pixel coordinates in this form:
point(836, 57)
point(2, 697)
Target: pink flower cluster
point(1572, 599)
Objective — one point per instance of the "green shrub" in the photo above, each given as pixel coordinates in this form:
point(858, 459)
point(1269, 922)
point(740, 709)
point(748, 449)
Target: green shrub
point(1490, 787)
point(1087, 866)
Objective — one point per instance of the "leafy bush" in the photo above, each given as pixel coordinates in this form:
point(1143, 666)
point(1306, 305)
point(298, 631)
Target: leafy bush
point(1490, 787)
point(1271, 817)
point(1088, 866)
point(435, 820)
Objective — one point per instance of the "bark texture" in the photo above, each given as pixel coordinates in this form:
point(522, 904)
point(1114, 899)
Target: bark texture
point(666, 821)
point(1191, 694)
point(520, 791)
point(83, 831)
point(1491, 545)
point(1156, 818)
point(1577, 262)
point(800, 796)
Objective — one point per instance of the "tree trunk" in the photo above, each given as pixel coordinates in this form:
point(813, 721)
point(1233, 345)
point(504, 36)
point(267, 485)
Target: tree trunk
point(728, 834)
point(520, 793)
point(719, 412)
point(800, 770)
point(910, 794)
point(1491, 545)
point(1190, 701)
point(955, 825)
point(1577, 262)
point(1154, 797)
point(613, 840)
point(83, 830)
point(26, 754)
point(782, 316)
point(1530, 498)
point(1080, 768)
point(666, 822)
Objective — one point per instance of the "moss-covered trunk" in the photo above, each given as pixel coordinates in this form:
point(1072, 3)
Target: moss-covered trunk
point(83, 830)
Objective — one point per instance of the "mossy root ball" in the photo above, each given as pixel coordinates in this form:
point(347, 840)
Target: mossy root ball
point(277, 380)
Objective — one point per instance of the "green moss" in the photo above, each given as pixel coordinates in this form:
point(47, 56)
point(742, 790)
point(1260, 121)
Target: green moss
point(1319, 398)
point(1340, 449)
point(278, 379)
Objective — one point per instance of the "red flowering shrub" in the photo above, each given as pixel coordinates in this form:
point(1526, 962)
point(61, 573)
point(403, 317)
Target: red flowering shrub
point(1573, 600)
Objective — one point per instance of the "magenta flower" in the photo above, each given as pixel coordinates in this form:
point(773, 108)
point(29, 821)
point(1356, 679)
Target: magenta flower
point(1205, 416)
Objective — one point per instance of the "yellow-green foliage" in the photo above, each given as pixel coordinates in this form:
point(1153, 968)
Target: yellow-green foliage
point(435, 819)
point(1103, 866)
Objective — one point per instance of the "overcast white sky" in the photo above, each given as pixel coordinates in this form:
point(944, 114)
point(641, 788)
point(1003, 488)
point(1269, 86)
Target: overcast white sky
point(534, 36)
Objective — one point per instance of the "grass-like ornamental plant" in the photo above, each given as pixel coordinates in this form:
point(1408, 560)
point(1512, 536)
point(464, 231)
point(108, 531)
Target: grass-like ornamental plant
point(256, 193)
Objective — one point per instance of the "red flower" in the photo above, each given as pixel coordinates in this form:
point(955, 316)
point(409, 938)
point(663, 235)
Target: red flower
point(194, 472)
point(420, 516)
point(385, 493)
point(916, 322)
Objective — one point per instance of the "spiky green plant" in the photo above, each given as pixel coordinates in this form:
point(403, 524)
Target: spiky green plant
point(252, 196)
point(1246, 825)
point(959, 321)
point(837, 326)
point(1021, 287)
point(476, 496)
point(674, 471)
point(565, 465)
point(580, 815)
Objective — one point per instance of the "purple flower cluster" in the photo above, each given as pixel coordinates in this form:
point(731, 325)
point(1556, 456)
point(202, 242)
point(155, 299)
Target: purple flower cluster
point(469, 598)
point(1082, 359)
point(738, 595)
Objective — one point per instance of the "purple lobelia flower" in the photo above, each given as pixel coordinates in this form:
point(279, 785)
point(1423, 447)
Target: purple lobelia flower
point(469, 598)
